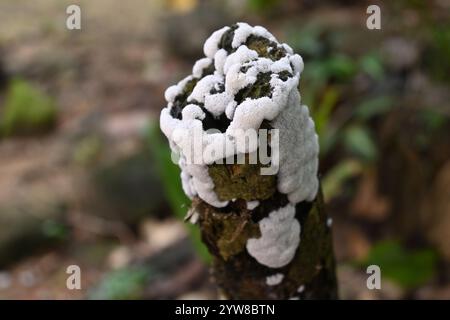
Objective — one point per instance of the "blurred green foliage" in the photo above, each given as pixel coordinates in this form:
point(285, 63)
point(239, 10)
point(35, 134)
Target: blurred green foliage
point(323, 112)
point(87, 150)
point(123, 284)
point(327, 81)
point(334, 180)
point(437, 55)
point(56, 230)
point(372, 65)
point(433, 120)
point(307, 40)
point(435, 35)
point(359, 141)
point(262, 6)
point(408, 268)
point(328, 73)
point(26, 110)
point(170, 177)
point(373, 106)
point(433, 124)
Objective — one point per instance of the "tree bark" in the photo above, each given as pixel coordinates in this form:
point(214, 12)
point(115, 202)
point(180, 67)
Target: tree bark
point(225, 231)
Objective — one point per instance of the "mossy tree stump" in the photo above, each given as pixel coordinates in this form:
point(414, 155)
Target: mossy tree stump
point(268, 234)
point(310, 275)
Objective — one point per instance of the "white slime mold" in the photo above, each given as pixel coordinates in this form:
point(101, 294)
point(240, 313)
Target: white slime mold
point(215, 95)
point(280, 237)
point(275, 279)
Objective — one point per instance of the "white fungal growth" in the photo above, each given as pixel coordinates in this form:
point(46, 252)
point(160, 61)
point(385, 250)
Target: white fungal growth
point(173, 91)
point(192, 216)
point(275, 279)
point(329, 222)
point(252, 204)
point(241, 34)
point(199, 66)
point(215, 95)
point(299, 149)
point(192, 112)
point(280, 237)
point(262, 32)
point(212, 43)
point(203, 87)
point(219, 60)
point(301, 288)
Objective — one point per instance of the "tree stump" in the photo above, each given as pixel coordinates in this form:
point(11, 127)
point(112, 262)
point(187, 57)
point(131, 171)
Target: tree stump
point(263, 221)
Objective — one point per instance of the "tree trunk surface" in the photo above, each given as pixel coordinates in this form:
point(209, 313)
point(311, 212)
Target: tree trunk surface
point(225, 231)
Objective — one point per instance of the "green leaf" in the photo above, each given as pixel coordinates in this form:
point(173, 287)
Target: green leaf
point(307, 40)
point(372, 65)
point(373, 107)
point(341, 67)
point(328, 139)
point(323, 112)
point(358, 140)
point(408, 268)
point(334, 180)
point(433, 120)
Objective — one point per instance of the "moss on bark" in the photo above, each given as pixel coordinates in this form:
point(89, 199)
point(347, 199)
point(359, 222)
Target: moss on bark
point(240, 276)
point(236, 181)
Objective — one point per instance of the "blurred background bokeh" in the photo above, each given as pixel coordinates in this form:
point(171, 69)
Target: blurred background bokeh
point(86, 176)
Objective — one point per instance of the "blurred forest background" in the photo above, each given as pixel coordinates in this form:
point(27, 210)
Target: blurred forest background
point(86, 177)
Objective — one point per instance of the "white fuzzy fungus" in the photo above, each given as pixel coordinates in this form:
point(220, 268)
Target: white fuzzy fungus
point(329, 222)
point(275, 279)
point(252, 204)
point(280, 237)
point(212, 43)
point(192, 216)
point(216, 93)
point(199, 66)
point(299, 148)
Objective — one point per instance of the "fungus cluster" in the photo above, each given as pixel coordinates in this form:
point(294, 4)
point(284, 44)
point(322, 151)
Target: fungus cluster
point(246, 79)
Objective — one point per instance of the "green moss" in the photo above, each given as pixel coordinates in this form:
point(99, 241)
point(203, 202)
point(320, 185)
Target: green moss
point(310, 250)
point(313, 264)
point(26, 110)
point(227, 39)
point(261, 46)
point(208, 70)
point(261, 88)
point(240, 276)
point(227, 234)
point(241, 181)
